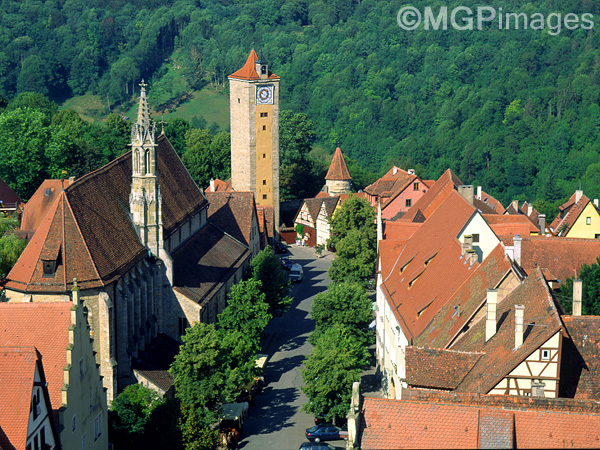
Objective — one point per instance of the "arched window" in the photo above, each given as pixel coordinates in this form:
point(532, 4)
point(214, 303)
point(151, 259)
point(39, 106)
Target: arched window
point(148, 162)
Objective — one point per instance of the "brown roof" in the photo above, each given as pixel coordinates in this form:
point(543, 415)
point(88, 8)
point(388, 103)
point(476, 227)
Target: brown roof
point(155, 361)
point(580, 365)
point(396, 424)
point(559, 258)
point(465, 301)
point(430, 266)
point(492, 202)
point(269, 218)
point(232, 212)
point(40, 203)
point(17, 371)
point(7, 195)
point(45, 326)
point(438, 368)
point(248, 72)
point(91, 226)
point(205, 262)
point(500, 358)
point(569, 213)
point(393, 181)
point(338, 169)
point(330, 203)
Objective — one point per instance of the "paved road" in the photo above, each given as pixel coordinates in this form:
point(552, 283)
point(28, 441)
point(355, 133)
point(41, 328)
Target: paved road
point(276, 420)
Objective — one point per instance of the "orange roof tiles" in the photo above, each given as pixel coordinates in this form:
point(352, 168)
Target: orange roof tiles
point(396, 230)
point(219, 186)
point(17, 372)
point(45, 326)
point(510, 225)
point(569, 212)
point(438, 368)
point(40, 203)
point(492, 202)
point(338, 169)
point(394, 180)
point(248, 71)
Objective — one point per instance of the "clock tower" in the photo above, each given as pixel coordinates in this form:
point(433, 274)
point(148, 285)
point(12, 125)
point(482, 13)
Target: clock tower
point(254, 109)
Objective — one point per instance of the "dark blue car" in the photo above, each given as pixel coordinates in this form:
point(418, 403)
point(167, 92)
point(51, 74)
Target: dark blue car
point(325, 432)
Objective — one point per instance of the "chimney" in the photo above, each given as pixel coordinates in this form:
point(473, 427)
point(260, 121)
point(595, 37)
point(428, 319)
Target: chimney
point(596, 202)
point(467, 244)
point(490, 321)
point(517, 249)
point(577, 296)
point(519, 316)
point(212, 185)
point(578, 195)
point(537, 389)
point(394, 170)
point(478, 196)
point(471, 257)
point(542, 222)
point(467, 192)
point(411, 171)
point(515, 205)
point(71, 180)
point(529, 209)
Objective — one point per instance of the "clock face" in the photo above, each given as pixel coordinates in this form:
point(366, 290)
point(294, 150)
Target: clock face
point(264, 95)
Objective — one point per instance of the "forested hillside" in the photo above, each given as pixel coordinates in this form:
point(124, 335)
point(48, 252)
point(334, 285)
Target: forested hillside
point(513, 110)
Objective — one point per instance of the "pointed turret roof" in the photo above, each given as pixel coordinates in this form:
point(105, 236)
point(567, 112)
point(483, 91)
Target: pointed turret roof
point(338, 169)
point(143, 129)
point(248, 72)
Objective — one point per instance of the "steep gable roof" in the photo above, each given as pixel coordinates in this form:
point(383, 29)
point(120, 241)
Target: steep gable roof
point(393, 181)
point(429, 268)
point(248, 71)
point(45, 326)
point(232, 212)
point(397, 230)
point(580, 367)
point(40, 203)
point(17, 374)
point(492, 202)
point(541, 323)
point(329, 204)
point(509, 225)
point(569, 213)
point(338, 169)
point(91, 224)
point(7, 195)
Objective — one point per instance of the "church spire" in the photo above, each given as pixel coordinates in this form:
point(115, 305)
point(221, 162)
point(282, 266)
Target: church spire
point(143, 130)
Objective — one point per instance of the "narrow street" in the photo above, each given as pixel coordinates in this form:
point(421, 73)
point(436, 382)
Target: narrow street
point(276, 420)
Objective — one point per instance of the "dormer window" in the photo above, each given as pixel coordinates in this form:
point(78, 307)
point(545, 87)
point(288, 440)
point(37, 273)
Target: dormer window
point(50, 259)
point(49, 268)
point(263, 70)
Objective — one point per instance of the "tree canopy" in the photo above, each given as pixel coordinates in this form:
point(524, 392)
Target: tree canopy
point(590, 277)
point(275, 286)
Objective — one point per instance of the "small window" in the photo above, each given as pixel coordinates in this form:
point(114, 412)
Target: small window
point(183, 324)
point(415, 186)
point(47, 193)
point(475, 237)
point(264, 182)
point(97, 427)
point(408, 202)
point(238, 100)
point(264, 128)
point(264, 114)
point(264, 155)
point(263, 70)
point(545, 355)
point(597, 236)
point(588, 220)
point(49, 268)
point(264, 196)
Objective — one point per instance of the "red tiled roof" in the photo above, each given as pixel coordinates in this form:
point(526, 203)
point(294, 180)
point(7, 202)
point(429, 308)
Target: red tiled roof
point(580, 365)
point(232, 212)
point(501, 357)
point(433, 254)
point(395, 179)
point(510, 225)
point(397, 230)
point(438, 368)
point(492, 202)
point(465, 301)
point(40, 203)
point(396, 424)
point(205, 262)
point(267, 213)
point(248, 71)
point(91, 225)
point(7, 195)
point(338, 169)
point(45, 326)
point(569, 213)
point(17, 372)
point(219, 186)
point(559, 258)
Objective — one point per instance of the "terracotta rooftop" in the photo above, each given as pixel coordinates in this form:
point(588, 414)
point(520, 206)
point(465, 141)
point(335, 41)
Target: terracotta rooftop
point(395, 180)
point(429, 268)
point(219, 186)
point(205, 262)
point(569, 213)
point(396, 424)
point(501, 357)
point(269, 219)
point(338, 169)
point(398, 230)
point(580, 365)
point(232, 212)
point(559, 258)
point(17, 371)
point(438, 368)
point(506, 225)
point(90, 229)
point(248, 71)
point(45, 326)
point(492, 202)
point(40, 203)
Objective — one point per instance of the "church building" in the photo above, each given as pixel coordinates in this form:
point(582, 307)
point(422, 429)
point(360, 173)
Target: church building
point(136, 237)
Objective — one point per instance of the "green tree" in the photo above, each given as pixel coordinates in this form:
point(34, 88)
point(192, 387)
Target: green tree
point(355, 213)
point(355, 258)
point(11, 246)
point(330, 369)
point(196, 433)
point(176, 130)
point(275, 286)
point(345, 303)
point(296, 137)
point(246, 311)
point(590, 277)
point(206, 156)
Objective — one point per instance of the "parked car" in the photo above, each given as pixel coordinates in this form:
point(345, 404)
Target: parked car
point(315, 446)
point(296, 272)
point(325, 432)
point(286, 263)
point(280, 247)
